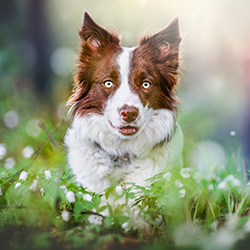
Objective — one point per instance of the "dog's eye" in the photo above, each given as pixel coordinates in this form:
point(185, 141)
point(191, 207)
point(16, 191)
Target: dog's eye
point(108, 84)
point(146, 85)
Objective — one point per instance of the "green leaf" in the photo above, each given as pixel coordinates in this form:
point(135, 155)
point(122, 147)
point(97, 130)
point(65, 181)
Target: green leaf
point(79, 207)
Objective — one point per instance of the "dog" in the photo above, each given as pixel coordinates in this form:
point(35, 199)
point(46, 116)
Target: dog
point(124, 118)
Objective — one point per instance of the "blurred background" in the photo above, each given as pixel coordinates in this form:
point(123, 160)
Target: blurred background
point(39, 39)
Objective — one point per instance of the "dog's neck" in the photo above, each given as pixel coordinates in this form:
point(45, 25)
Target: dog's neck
point(126, 158)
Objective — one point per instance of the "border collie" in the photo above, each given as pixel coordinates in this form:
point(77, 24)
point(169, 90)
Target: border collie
point(124, 107)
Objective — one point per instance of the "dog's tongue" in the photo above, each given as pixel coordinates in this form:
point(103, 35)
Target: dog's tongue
point(128, 130)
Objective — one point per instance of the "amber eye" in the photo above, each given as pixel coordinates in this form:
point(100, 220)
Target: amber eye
point(108, 84)
point(146, 85)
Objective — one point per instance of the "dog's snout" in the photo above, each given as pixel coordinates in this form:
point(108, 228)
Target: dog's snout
point(129, 113)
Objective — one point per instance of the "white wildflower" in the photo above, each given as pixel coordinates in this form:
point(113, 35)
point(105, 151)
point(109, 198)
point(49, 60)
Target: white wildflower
point(223, 185)
point(232, 133)
point(3, 150)
point(42, 191)
point(126, 226)
point(9, 163)
point(210, 187)
point(47, 174)
point(167, 176)
point(159, 220)
point(182, 193)
point(118, 190)
point(185, 172)
point(178, 183)
point(95, 219)
point(28, 152)
point(64, 188)
point(197, 177)
point(1, 191)
point(65, 215)
point(87, 197)
point(23, 176)
point(229, 181)
point(70, 196)
point(17, 185)
point(11, 119)
point(33, 185)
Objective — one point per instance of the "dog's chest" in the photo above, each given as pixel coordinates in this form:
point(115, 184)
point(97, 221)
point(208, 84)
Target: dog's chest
point(129, 168)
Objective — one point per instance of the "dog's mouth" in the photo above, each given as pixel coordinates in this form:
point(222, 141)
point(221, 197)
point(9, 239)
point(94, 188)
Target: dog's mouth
point(126, 130)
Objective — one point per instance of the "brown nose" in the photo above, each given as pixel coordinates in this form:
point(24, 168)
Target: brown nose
point(129, 113)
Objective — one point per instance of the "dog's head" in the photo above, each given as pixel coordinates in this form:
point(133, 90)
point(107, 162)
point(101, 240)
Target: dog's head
point(128, 86)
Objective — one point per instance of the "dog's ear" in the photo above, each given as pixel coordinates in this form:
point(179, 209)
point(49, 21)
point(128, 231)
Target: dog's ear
point(168, 39)
point(94, 34)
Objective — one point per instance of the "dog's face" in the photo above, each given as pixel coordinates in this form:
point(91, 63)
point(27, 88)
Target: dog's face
point(128, 86)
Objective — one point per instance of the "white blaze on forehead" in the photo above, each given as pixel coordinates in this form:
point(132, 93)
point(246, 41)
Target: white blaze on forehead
point(124, 93)
point(124, 60)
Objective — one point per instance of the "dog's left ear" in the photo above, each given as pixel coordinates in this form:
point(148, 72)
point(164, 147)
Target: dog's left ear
point(165, 40)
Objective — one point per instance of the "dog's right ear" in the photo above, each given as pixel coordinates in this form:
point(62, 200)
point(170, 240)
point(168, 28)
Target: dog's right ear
point(94, 34)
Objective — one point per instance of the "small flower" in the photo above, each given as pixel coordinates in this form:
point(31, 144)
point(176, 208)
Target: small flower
point(210, 187)
point(197, 177)
point(65, 215)
point(182, 193)
point(118, 190)
point(23, 176)
point(1, 191)
point(232, 133)
point(47, 174)
point(28, 152)
point(42, 191)
point(9, 163)
point(178, 184)
point(17, 185)
point(11, 119)
point(70, 196)
point(229, 181)
point(126, 226)
point(64, 188)
point(95, 219)
point(3, 150)
point(167, 176)
point(33, 185)
point(87, 197)
point(185, 172)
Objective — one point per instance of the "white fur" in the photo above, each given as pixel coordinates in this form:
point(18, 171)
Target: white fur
point(93, 166)
point(93, 143)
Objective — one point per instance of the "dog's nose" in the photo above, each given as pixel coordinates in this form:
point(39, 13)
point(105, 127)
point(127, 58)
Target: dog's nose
point(129, 113)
